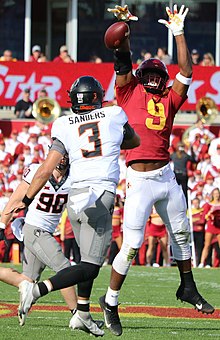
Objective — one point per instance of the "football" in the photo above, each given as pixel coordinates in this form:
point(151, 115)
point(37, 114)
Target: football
point(116, 34)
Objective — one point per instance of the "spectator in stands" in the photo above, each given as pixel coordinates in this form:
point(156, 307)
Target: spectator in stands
point(156, 233)
point(180, 160)
point(141, 57)
point(191, 179)
point(42, 93)
point(12, 142)
point(208, 186)
point(162, 54)
point(212, 216)
point(14, 182)
point(63, 57)
point(43, 58)
point(195, 57)
point(205, 134)
point(95, 59)
point(213, 145)
point(3, 153)
point(23, 107)
point(6, 172)
point(24, 134)
point(18, 164)
point(27, 155)
point(206, 166)
point(36, 54)
point(7, 56)
point(37, 128)
point(215, 159)
point(32, 142)
point(45, 140)
point(39, 153)
point(198, 221)
point(208, 60)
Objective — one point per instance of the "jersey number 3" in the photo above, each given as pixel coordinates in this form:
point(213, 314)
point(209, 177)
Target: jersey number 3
point(157, 111)
point(92, 138)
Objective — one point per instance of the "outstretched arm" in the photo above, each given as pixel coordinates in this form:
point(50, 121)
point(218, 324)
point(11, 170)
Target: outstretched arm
point(122, 55)
point(176, 25)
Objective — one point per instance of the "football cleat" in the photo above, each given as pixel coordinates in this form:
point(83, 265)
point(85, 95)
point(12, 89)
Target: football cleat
point(193, 297)
point(26, 300)
point(84, 322)
point(112, 320)
point(99, 323)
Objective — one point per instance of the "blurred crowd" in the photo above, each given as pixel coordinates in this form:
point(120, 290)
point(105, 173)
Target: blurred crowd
point(206, 59)
point(37, 55)
point(195, 158)
point(63, 56)
point(196, 162)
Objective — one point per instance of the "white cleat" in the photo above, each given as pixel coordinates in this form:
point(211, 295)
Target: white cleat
point(26, 300)
point(85, 324)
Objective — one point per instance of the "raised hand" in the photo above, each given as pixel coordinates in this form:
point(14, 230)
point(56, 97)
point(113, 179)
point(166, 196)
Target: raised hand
point(122, 13)
point(176, 20)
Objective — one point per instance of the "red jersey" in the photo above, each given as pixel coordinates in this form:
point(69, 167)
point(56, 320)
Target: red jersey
point(198, 219)
point(152, 118)
point(213, 222)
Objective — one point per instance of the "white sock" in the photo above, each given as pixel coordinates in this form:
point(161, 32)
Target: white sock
point(111, 297)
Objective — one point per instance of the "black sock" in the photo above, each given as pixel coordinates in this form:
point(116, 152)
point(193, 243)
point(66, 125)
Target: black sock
point(43, 289)
point(187, 279)
point(83, 307)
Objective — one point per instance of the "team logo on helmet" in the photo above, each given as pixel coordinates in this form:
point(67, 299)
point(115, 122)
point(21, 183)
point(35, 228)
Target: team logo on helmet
point(86, 94)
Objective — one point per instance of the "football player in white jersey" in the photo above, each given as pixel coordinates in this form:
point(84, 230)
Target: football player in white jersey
point(92, 136)
point(43, 215)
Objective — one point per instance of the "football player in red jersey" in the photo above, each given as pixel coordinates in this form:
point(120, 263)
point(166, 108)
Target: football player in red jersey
point(151, 108)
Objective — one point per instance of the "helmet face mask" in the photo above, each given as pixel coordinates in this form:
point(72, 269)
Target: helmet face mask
point(153, 75)
point(64, 163)
point(86, 94)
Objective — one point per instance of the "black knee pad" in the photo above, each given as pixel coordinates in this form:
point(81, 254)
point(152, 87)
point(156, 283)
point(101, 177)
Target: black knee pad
point(90, 270)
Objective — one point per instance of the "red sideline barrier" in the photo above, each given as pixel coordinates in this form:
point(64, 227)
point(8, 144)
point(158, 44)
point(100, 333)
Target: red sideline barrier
point(57, 79)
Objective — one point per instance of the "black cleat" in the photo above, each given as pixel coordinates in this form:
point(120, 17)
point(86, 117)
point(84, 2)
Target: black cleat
point(193, 297)
point(111, 317)
point(99, 323)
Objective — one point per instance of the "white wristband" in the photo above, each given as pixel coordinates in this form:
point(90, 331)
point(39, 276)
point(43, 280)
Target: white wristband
point(2, 225)
point(178, 33)
point(183, 80)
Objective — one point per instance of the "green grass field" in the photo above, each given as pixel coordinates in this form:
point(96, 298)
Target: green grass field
point(153, 287)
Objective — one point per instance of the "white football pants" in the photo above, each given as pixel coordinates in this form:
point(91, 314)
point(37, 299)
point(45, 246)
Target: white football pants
point(158, 188)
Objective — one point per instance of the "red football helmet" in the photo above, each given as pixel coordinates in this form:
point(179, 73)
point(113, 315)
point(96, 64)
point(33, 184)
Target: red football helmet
point(153, 75)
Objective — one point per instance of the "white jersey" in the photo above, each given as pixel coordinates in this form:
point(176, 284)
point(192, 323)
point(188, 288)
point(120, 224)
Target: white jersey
point(46, 209)
point(92, 141)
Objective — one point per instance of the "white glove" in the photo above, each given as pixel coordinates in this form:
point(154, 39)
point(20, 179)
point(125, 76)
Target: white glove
point(122, 13)
point(176, 20)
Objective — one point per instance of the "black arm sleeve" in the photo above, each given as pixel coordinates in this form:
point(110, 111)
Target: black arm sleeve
point(128, 132)
point(122, 62)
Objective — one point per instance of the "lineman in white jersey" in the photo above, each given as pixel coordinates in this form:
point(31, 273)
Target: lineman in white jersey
point(43, 215)
point(92, 136)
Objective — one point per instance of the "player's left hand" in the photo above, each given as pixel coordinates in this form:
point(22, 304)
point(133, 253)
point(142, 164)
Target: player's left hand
point(176, 20)
point(122, 13)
